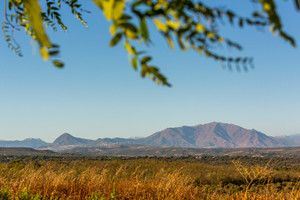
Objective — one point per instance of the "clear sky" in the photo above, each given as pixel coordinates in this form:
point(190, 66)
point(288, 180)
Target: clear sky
point(98, 94)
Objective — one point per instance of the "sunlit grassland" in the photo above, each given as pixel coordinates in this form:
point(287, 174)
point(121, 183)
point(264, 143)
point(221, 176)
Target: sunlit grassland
point(145, 179)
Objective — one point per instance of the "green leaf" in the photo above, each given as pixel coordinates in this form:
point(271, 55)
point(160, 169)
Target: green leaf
point(130, 30)
point(144, 29)
point(53, 53)
point(146, 59)
point(230, 16)
point(288, 38)
point(126, 17)
point(134, 63)
point(241, 22)
point(116, 39)
point(58, 63)
point(127, 25)
point(143, 73)
point(297, 2)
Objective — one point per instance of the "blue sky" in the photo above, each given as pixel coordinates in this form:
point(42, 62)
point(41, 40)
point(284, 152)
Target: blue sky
point(98, 94)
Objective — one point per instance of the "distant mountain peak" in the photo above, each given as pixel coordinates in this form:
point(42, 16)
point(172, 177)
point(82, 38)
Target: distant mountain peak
point(213, 124)
point(66, 135)
point(68, 139)
point(64, 139)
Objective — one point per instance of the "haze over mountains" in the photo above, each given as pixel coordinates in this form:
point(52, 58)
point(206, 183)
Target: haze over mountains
point(29, 142)
point(295, 138)
point(211, 135)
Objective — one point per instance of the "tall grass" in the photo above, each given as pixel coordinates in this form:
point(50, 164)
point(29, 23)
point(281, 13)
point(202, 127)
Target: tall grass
point(144, 179)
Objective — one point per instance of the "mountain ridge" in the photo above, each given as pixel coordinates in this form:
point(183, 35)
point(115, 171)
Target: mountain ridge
point(211, 135)
point(28, 142)
point(214, 135)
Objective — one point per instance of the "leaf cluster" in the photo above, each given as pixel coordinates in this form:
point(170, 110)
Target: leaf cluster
point(191, 24)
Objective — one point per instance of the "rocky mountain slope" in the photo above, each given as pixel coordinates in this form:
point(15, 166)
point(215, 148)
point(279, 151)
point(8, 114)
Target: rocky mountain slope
point(214, 135)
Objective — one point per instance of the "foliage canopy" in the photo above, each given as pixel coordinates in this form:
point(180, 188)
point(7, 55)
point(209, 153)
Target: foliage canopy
point(193, 24)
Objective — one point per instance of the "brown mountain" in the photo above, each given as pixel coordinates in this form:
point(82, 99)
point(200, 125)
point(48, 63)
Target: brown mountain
point(213, 135)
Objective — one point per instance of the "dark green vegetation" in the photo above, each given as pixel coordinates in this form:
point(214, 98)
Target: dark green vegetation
point(140, 150)
point(276, 157)
point(20, 151)
point(131, 150)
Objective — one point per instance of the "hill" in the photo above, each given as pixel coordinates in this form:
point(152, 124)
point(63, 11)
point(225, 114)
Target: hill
point(67, 139)
point(15, 151)
point(29, 142)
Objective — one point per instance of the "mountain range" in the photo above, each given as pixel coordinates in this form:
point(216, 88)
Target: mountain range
point(211, 135)
point(215, 135)
point(29, 142)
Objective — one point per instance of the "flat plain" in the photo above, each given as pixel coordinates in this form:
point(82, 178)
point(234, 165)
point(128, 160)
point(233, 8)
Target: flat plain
point(47, 175)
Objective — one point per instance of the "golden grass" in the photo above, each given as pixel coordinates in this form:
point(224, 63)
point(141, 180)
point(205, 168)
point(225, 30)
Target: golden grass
point(145, 179)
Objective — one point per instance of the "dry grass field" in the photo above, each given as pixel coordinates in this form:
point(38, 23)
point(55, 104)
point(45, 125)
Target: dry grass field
point(145, 179)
